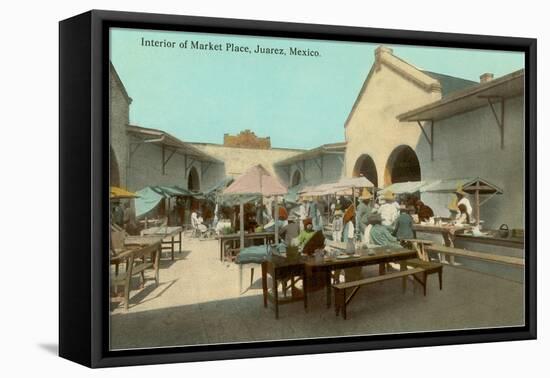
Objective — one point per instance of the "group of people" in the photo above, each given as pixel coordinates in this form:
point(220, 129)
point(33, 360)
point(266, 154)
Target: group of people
point(383, 223)
point(387, 222)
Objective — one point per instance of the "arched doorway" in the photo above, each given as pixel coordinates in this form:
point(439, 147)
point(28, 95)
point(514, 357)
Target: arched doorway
point(364, 166)
point(296, 178)
point(193, 180)
point(114, 172)
point(402, 166)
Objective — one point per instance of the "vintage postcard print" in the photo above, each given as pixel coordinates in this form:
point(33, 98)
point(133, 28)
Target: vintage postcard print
point(278, 189)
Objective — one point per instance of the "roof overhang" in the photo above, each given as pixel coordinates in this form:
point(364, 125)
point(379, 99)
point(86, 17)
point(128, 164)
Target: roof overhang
point(165, 139)
point(508, 86)
point(325, 149)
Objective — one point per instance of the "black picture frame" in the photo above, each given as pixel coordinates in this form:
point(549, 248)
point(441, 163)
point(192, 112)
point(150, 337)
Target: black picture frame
point(84, 188)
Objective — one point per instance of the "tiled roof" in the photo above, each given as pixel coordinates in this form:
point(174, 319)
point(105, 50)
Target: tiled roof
point(450, 84)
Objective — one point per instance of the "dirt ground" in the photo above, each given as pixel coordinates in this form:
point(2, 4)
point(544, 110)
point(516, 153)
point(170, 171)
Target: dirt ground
point(198, 301)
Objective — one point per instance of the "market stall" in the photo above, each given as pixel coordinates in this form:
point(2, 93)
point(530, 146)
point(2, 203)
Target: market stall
point(256, 181)
point(475, 186)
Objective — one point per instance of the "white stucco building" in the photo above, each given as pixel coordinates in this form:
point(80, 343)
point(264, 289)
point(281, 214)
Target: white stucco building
point(318, 165)
point(237, 160)
point(478, 131)
point(158, 158)
point(411, 125)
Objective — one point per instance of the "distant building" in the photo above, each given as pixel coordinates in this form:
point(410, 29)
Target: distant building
point(318, 165)
point(238, 159)
point(158, 158)
point(247, 139)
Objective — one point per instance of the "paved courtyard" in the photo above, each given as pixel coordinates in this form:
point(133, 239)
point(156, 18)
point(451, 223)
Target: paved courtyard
point(198, 302)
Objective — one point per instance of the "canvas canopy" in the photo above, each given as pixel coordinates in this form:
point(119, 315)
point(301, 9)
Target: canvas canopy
point(215, 194)
point(343, 186)
point(147, 201)
point(256, 180)
point(355, 182)
point(175, 191)
point(469, 185)
point(218, 188)
point(475, 186)
point(150, 197)
point(120, 193)
point(405, 187)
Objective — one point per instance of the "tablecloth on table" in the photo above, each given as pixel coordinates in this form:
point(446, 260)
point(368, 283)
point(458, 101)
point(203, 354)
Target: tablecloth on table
point(256, 254)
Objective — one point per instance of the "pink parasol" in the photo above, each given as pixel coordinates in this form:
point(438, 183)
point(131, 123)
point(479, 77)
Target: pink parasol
point(256, 180)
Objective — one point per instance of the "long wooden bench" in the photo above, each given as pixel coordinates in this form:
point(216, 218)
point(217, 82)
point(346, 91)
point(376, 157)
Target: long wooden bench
point(428, 267)
point(341, 298)
point(507, 260)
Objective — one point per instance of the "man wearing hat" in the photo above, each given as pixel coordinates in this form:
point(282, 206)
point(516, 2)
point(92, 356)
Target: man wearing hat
point(463, 200)
point(389, 211)
point(363, 210)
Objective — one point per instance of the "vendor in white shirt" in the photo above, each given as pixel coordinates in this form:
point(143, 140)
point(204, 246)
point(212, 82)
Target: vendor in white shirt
point(463, 200)
point(389, 211)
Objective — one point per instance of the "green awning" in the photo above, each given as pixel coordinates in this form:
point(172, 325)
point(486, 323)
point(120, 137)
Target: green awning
point(175, 191)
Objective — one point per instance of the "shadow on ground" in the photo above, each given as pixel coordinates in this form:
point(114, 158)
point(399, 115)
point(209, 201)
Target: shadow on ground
point(468, 300)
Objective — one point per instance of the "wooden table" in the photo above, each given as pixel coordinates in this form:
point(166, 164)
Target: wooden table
point(130, 257)
point(141, 240)
point(447, 232)
point(280, 269)
point(165, 233)
point(380, 256)
point(235, 238)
